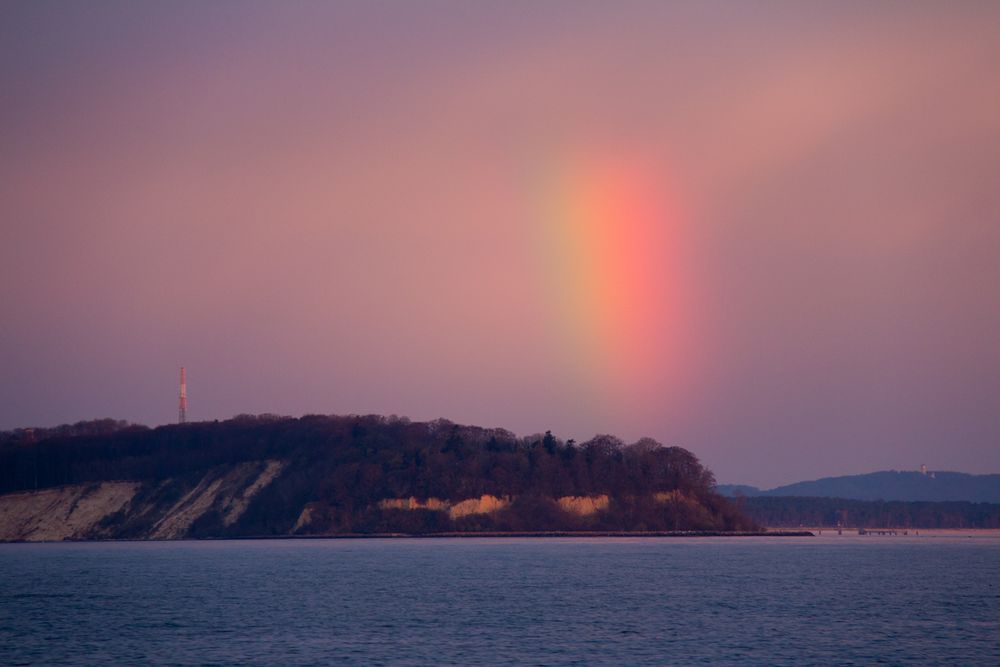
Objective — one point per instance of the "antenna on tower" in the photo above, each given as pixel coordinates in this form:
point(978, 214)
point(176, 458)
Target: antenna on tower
point(183, 403)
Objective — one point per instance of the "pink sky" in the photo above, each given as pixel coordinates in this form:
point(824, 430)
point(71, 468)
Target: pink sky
point(348, 208)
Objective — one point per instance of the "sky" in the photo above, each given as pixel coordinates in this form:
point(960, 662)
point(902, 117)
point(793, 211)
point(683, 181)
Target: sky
point(766, 232)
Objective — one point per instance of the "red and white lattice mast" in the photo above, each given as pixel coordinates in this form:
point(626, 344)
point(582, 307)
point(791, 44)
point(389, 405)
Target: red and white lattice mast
point(183, 403)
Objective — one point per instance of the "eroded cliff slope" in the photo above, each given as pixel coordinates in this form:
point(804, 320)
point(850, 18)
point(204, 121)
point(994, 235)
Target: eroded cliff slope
point(162, 509)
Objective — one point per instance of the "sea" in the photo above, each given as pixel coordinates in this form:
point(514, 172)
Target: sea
point(825, 600)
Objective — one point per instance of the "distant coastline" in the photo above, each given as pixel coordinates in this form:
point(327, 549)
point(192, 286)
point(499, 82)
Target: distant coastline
point(450, 535)
point(886, 485)
point(547, 534)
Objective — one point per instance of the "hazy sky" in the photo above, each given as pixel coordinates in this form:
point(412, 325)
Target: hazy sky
point(769, 233)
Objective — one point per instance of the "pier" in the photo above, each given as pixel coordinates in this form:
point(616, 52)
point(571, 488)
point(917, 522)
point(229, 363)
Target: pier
point(883, 531)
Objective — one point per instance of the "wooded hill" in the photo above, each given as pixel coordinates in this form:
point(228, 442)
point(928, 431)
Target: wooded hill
point(792, 511)
point(268, 475)
point(908, 485)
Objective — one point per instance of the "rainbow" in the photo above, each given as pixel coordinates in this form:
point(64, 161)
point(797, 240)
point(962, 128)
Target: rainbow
point(611, 240)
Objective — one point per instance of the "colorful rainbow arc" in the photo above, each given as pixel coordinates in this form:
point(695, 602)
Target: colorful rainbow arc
point(611, 240)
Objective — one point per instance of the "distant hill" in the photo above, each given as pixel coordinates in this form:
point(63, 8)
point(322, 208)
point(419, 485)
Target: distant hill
point(329, 475)
point(792, 511)
point(733, 490)
point(937, 486)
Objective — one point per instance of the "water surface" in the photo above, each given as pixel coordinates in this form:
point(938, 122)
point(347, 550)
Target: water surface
point(636, 601)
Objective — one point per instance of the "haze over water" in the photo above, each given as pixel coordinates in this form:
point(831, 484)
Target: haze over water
point(639, 601)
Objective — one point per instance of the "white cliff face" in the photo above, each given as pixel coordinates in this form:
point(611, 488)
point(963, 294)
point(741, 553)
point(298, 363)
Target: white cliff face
point(61, 513)
point(81, 511)
point(236, 505)
point(220, 494)
point(178, 519)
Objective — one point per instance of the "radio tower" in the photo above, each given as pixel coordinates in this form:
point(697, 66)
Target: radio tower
point(182, 406)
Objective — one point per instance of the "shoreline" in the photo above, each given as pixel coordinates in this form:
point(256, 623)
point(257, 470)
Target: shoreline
point(544, 533)
point(450, 535)
point(823, 532)
point(904, 532)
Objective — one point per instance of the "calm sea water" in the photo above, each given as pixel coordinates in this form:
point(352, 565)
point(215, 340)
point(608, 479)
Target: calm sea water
point(719, 601)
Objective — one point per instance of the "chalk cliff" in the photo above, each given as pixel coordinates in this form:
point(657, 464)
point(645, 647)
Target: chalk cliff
point(271, 476)
point(165, 509)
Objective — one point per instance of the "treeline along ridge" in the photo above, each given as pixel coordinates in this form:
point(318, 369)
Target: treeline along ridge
point(368, 474)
